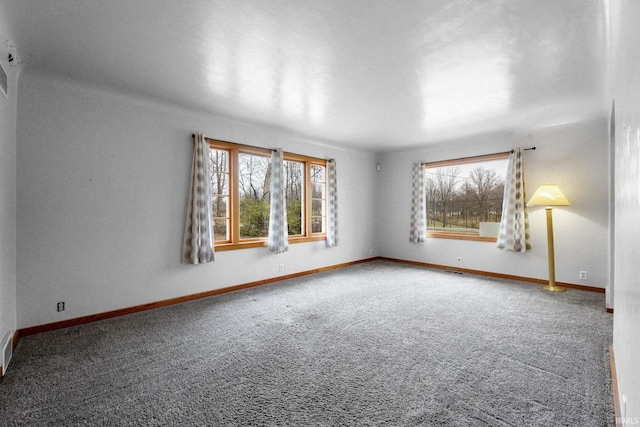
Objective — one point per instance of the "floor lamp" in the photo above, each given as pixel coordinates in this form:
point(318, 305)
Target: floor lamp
point(549, 195)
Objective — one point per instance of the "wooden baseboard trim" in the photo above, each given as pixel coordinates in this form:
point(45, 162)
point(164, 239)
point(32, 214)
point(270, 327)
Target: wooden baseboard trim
point(129, 310)
point(163, 303)
point(614, 386)
point(497, 275)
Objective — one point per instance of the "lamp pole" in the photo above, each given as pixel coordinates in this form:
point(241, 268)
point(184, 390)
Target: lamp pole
point(551, 287)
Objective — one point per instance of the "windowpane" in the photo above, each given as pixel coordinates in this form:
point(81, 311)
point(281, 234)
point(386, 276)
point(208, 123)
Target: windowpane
point(318, 199)
point(220, 206)
point(317, 225)
point(253, 187)
point(294, 192)
point(219, 161)
point(317, 173)
point(466, 197)
point(219, 183)
point(317, 207)
point(317, 190)
point(221, 229)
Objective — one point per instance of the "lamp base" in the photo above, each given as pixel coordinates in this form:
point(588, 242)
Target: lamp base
point(551, 288)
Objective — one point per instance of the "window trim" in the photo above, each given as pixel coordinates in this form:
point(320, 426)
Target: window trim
point(435, 234)
point(234, 241)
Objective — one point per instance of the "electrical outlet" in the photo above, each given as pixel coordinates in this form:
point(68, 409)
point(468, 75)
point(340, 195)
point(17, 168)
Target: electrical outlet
point(281, 268)
point(583, 275)
point(370, 251)
point(459, 260)
point(60, 306)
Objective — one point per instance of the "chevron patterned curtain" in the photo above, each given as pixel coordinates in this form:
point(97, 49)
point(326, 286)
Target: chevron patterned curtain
point(332, 204)
point(418, 205)
point(514, 226)
point(198, 234)
point(278, 241)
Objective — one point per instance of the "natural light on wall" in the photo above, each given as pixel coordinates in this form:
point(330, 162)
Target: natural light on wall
point(464, 83)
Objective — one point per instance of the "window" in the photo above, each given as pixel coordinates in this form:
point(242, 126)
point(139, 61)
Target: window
point(240, 186)
point(318, 198)
point(464, 197)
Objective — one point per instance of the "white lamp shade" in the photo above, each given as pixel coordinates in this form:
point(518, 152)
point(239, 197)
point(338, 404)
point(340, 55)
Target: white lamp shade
point(548, 195)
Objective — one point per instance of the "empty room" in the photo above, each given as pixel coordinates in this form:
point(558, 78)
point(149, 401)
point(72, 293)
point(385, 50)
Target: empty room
point(278, 212)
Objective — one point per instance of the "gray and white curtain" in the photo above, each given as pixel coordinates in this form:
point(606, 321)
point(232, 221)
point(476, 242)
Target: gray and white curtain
point(418, 205)
point(514, 226)
point(278, 228)
point(332, 204)
point(198, 234)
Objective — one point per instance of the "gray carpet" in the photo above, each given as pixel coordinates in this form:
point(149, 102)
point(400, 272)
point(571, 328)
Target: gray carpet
point(379, 343)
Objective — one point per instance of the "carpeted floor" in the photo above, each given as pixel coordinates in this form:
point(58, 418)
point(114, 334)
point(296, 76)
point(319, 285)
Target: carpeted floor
point(379, 343)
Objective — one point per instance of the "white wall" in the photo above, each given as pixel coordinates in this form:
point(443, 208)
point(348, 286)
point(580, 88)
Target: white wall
point(7, 194)
point(570, 155)
point(103, 180)
point(626, 89)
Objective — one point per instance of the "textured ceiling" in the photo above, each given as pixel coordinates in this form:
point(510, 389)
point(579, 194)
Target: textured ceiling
point(371, 74)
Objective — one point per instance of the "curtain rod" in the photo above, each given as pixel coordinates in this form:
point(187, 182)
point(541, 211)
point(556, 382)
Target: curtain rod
point(193, 135)
point(481, 155)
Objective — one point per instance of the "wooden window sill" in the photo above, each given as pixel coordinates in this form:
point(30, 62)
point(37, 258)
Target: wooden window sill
point(459, 236)
point(221, 247)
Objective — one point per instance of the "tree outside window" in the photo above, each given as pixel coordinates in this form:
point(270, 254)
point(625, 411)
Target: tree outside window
point(240, 187)
point(464, 198)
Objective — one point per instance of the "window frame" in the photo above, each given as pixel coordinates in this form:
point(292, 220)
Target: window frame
point(461, 235)
point(234, 241)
